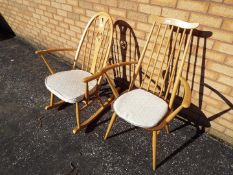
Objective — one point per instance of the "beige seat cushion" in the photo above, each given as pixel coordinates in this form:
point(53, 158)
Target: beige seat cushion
point(140, 108)
point(68, 85)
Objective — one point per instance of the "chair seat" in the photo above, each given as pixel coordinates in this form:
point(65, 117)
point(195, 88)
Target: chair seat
point(140, 108)
point(69, 85)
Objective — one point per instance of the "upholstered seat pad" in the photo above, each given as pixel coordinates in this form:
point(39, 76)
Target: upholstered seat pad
point(140, 108)
point(69, 85)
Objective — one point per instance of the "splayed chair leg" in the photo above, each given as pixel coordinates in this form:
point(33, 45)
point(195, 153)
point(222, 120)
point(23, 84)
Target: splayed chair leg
point(52, 104)
point(77, 128)
point(110, 125)
point(51, 99)
point(154, 142)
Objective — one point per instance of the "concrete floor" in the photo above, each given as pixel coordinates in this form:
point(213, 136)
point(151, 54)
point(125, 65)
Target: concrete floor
point(27, 148)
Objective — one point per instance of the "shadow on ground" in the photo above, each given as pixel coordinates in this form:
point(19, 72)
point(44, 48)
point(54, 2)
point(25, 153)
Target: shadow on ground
point(5, 30)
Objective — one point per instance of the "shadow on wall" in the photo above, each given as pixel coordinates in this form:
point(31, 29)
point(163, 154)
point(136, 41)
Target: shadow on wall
point(5, 30)
point(124, 48)
point(194, 113)
point(224, 99)
point(196, 71)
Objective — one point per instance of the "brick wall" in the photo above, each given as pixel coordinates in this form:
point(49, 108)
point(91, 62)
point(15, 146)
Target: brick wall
point(59, 23)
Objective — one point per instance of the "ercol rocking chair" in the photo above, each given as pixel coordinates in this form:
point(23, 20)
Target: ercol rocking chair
point(159, 70)
point(74, 86)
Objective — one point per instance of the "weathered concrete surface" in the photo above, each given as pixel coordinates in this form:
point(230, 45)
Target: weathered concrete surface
point(25, 148)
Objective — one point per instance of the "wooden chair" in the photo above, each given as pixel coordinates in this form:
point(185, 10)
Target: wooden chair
point(158, 78)
point(74, 86)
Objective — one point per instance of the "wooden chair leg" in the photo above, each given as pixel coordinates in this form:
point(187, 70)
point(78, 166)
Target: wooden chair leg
point(77, 128)
point(167, 128)
point(110, 125)
point(154, 142)
point(51, 99)
point(52, 104)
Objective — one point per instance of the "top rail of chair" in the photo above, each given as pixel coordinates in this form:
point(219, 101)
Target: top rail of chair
point(176, 22)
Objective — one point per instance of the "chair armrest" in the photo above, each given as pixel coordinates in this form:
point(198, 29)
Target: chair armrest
point(105, 69)
point(42, 52)
point(104, 72)
point(92, 77)
point(112, 66)
point(187, 93)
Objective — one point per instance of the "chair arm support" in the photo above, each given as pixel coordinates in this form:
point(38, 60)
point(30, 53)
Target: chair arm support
point(42, 52)
point(187, 93)
point(185, 103)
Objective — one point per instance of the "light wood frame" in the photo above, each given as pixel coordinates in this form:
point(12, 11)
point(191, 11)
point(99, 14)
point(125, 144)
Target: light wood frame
point(91, 55)
point(167, 90)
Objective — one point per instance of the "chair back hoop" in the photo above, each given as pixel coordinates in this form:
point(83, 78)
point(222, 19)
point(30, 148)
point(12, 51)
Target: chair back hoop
point(163, 57)
point(94, 46)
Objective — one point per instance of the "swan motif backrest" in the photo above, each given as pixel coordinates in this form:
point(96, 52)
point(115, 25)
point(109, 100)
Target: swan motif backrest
point(93, 50)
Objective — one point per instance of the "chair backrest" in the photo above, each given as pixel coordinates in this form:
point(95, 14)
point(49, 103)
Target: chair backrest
point(94, 46)
point(163, 57)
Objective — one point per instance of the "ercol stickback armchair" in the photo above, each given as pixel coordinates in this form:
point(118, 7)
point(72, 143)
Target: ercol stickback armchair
point(74, 86)
point(158, 78)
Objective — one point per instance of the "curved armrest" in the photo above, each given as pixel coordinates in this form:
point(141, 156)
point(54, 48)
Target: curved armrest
point(187, 93)
point(112, 66)
point(105, 69)
point(92, 77)
point(42, 52)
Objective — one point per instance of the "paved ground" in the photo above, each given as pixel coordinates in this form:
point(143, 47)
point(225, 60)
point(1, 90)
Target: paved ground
point(25, 148)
